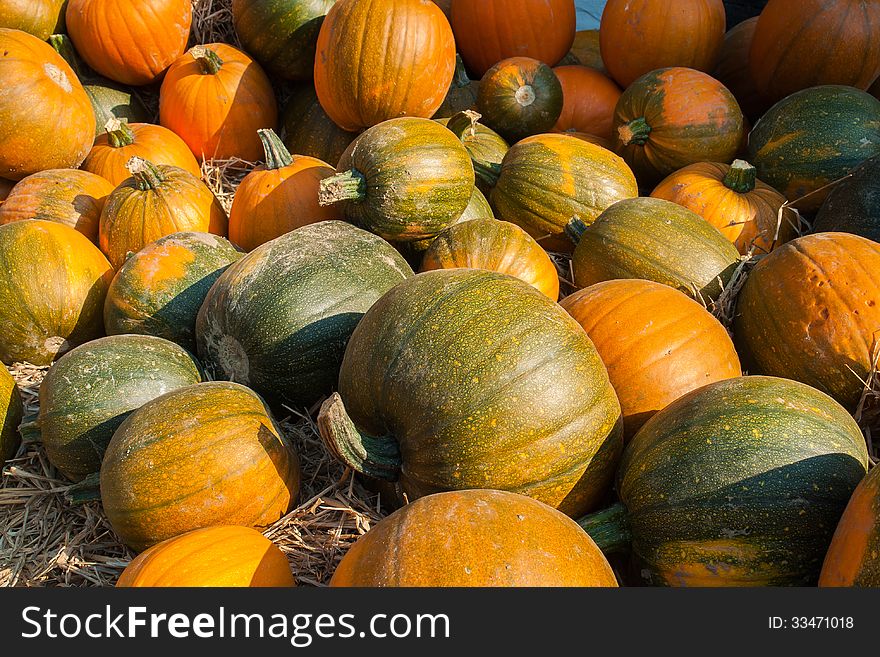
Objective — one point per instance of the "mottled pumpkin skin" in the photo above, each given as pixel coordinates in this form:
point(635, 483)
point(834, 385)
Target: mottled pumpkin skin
point(90, 391)
point(11, 411)
point(203, 455)
point(483, 382)
point(478, 208)
point(657, 344)
point(278, 320)
point(159, 290)
point(733, 69)
point(836, 129)
point(740, 483)
point(221, 556)
point(809, 312)
point(67, 196)
point(51, 293)
point(853, 206)
point(38, 17)
point(307, 130)
point(474, 538)
point(854, 556)
point(589, 101)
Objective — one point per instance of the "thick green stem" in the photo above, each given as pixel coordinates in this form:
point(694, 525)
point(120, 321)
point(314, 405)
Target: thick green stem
point(376, 457)
point(609, 528)
point(145, 173)
point(635, 132)
point(741, 177)
point(119, 134)
point(488, 172)
point(209, 62)
point(277, 155)
point(62, 45)
point(575, 229)
point(463, 124)
point(87, 490)
point(346, 186)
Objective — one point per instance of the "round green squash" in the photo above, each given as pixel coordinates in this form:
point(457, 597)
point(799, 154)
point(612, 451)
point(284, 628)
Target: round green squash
point(655, 240)
point(10, 416)
point(739, 483)
point(482, 143)
point(309, 131)
point(853, 206)
point(462, 378)
point(90, 391)
point(278, 319)
point(159, 290)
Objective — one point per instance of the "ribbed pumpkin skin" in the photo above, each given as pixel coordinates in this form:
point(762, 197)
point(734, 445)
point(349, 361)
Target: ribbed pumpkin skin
point(852, 559)
point(836, 129)
point(52, 292)
point(309, 131)
point(403, 66)
point(38, 17)
point(11, 411)
point(221, 556)
point(130, 42)
point(853, 206)
point(740, 483)
point(90, 391)
point(692, 118)
point(809, 312)
point(589, 101)
point(655, 240)
point(47, 117)
point(474, 538)
point(484, 383)
point(208, 454)
point(495, 246)
point(294, 301)
point(67, 196)
point(822, 42)
point(491, 30)
point(733, 69)
point(281, 34)
point(656, 343)
point(159, 290)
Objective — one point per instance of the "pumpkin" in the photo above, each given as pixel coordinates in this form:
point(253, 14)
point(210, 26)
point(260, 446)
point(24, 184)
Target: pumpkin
point(587, 51)
point(122, 141)
point(853, 206)
point(657, 344)
point(403, 66)
point(11, 411)
point(478, 208)
point(495, 246)
point(482, 143)
point(159, 290)
point(279, 197)
point(47, 120)
point(90, 390)
point(474, 538)
point(655, 240)
point(129, 42)
point(156, 201)
point(462, 378)
point(207, 454)
point(545, 180)
point(835, 129)
point(51, 293)
point(520, 97)
point(462, 94)
point(852, 558)
point(67, 196)
point(733, 69)
point(216, 98)
point(809, 312)
point(673, 117)
point(38, 17)
point(294, 300)
point(405, 180)
point(823, 42)
point(281, 34)
point(747, 211)
point(590, 99)
point(639, 36)
point(738, 483)
point(491, 30)
point(307, 129)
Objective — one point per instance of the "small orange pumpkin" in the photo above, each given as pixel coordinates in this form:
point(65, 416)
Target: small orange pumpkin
point(589, 99)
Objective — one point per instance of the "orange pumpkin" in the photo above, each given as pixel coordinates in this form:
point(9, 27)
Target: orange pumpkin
point(657, 343)
point(589, 101)
point(639, 36)
point(215, 98)
point(67, 196)
point(733, 69)
point(221, 556)
point(130, 42)
point(47, 119)
point(123, 141)
point(586, 50)
point(156, 201)
point(41, 18)
point(279, 197)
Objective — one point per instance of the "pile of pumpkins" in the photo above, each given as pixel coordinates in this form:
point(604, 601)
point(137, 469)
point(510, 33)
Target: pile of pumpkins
point(522, 436)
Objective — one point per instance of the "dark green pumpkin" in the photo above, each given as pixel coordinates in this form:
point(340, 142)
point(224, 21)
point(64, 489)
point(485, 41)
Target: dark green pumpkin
point(462, 94)
point(853, 206)
point(463, 378)
point(90, 391)
point(309, 131)
point(478, 208)
point(10, 416)
point(483, 144)
point(655, 240)
point(739, 483)
point(278, 319)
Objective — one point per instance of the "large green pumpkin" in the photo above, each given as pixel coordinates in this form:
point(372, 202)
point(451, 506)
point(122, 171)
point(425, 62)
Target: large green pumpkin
point(463, 378)
point(307, 130)
point(10, 416)
point(853, 206)
point(278, 319)
point(739, 483)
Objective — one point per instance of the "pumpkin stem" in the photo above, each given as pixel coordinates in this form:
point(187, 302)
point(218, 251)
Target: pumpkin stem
point(741, 177)
point(460, 78)
point(378, 458)
point(119, 134)
point(209, 62)
point(575, 229)
point(63, 46)
point(464, 123)
point(635, 132)
point(30, 431)
point(346, 186)
point(87, 490)
point(488, 172)
point(609, 528)
point(145, 173)
point(277, 155)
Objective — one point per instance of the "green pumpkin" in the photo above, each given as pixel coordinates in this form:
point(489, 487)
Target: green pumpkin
point(482, 143)
point(10, 416)
point(478, 208)
point(462, 94)
point(853, 206)
point(309, 131)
